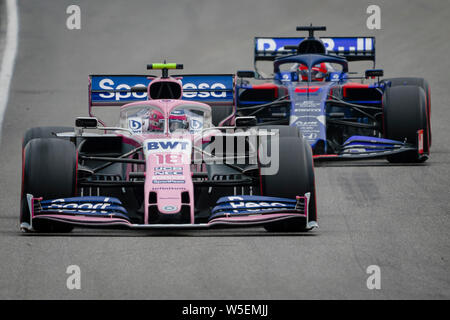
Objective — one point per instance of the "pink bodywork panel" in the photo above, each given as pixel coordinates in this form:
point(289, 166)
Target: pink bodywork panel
point(168, 194)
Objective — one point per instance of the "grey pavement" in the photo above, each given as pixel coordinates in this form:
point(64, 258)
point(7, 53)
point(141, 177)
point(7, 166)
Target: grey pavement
point(370, 213)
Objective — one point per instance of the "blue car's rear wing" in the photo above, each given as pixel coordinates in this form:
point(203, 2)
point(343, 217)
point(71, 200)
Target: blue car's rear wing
point(351, 48)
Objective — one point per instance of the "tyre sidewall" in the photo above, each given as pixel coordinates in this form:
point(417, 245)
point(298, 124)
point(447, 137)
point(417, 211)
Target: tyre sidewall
point(404, 113)
point(49, 171)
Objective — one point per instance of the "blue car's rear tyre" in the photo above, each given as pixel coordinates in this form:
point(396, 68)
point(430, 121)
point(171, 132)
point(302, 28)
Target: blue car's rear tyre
point(50, 172)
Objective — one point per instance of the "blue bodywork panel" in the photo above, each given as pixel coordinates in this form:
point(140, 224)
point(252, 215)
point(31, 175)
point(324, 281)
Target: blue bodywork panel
point(272, 47)
point(90, 206)
point(361, 144)
point(247, 205)
point(308, 111)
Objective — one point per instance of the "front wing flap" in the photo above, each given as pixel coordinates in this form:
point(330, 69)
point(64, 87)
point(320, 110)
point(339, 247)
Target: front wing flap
point(108, 212)
point(362, 147)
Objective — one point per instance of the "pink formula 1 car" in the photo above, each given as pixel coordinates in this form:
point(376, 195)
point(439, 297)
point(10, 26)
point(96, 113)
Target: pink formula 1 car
point(166, 165)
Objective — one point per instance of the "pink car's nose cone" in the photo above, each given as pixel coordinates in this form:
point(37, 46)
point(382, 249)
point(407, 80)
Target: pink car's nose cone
point(168, 176)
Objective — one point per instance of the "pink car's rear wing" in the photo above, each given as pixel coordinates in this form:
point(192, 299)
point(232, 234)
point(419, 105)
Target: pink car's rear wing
point(117, 90)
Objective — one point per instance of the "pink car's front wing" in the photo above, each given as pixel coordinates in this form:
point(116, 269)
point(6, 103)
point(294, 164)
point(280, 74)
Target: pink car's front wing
point(114, 219)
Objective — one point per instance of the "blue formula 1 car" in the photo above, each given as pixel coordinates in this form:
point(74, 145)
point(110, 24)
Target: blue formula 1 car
point(311, 88)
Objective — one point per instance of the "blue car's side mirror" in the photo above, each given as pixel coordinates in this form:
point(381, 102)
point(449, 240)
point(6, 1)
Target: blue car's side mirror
point(371, 73)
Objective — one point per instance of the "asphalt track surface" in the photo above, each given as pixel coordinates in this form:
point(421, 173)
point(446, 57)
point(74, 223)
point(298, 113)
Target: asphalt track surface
point(370, 213)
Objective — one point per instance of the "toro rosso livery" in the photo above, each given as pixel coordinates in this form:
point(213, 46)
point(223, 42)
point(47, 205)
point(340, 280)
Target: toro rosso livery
point(312, 89)
point(165, 165)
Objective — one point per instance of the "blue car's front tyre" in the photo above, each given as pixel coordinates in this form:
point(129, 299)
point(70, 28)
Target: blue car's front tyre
point(422, 83)
point(404, 115)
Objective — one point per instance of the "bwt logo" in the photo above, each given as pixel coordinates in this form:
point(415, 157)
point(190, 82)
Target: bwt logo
point(169, 145)
point(196, 124)
point(135, 125)
point(310, 136)
point(108, 84)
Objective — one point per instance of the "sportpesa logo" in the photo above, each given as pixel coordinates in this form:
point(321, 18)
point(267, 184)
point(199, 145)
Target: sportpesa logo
point(85, 207)
point(202, 90)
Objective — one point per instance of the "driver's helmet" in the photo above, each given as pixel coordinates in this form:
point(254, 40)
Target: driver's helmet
point(178, 121)
point(318, 72)
point(155, 121)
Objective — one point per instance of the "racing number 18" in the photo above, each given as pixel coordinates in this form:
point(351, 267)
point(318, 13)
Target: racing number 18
point(170, 158)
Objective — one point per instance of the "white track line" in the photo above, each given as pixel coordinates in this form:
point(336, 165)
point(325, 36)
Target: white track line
point(9, 56)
